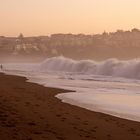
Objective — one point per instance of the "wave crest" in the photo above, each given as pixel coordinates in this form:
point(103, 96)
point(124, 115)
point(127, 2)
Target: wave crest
point(110, 67)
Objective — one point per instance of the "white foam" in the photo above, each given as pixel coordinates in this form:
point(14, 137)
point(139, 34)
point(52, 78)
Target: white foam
point(110, 67)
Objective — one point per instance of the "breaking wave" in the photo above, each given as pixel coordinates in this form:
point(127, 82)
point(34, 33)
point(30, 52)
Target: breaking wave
point(110, 67)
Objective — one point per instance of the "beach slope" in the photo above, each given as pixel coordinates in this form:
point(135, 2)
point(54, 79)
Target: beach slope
point(31, 112)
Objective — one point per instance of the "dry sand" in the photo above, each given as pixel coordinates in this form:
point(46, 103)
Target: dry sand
point(31, 112)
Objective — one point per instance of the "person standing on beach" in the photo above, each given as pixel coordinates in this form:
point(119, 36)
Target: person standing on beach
point(1, 67)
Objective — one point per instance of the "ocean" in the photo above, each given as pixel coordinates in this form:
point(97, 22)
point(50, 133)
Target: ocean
point(111, 86)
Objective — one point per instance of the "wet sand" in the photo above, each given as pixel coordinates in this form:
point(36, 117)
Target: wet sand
point(31, 112)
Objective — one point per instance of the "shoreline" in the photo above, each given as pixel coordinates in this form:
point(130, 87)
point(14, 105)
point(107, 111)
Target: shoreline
point(128, 117)
point(29, 111)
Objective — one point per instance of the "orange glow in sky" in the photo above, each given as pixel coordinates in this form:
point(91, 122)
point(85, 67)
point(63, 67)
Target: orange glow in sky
point(44, 17)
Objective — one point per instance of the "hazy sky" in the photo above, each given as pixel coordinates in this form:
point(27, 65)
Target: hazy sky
point(43, 17)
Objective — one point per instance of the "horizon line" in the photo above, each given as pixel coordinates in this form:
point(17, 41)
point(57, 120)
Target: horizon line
point(49, 35)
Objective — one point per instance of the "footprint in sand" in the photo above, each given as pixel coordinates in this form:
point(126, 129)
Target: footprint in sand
point(87, 136)
point(10, 125)
point(85, 123)
point(42, 118)
point(132, 130)
point(58, 115)
point(60, 138)
point(77, 118)
point(27, 103)
point(109, 137)
point(37, 133)
point(93, 130)
point(31, 123)
point(37, 105)
point(29, 139)
point(63, 119)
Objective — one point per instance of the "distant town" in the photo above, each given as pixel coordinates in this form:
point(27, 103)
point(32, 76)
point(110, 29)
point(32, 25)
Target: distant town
point(79, 46)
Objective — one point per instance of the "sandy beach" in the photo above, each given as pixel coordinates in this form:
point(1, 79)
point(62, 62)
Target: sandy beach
point(31, 112)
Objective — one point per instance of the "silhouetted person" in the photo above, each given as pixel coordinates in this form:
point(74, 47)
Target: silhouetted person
point(1, 67)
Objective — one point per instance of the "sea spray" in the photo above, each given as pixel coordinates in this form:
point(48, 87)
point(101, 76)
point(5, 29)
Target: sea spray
point(110, 67)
